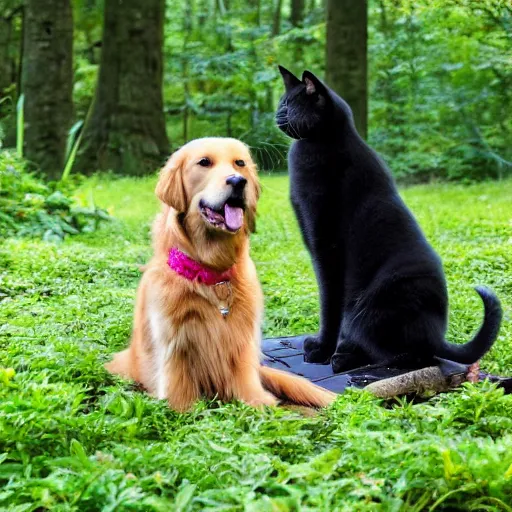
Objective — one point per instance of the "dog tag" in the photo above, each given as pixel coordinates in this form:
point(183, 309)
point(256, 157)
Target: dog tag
point(224, 295)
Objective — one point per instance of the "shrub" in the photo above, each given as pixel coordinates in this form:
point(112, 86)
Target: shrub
point(29, 207)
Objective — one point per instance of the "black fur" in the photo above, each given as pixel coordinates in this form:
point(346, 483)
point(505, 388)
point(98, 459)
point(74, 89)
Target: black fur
point(382, 287)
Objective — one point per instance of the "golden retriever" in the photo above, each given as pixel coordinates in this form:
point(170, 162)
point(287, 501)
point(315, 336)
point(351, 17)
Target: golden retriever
point(192, 337)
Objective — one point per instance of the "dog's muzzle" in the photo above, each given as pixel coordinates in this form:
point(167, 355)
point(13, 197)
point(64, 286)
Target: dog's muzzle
point(228, 216)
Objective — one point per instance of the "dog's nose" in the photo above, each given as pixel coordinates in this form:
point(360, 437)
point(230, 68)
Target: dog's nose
point(237, 182)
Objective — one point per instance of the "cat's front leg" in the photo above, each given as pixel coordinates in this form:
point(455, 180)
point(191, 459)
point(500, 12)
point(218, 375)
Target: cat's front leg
point(319, 349)
point(348, 356)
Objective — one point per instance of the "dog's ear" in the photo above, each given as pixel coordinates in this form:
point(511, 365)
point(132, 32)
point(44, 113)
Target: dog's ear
point(312, 83)
point(170, 189)
point(289, 79)
point(253, 194)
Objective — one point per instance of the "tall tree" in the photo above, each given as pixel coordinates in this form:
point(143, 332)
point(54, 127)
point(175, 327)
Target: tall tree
point(297, 20)
point(5, 64)
point(47, 82)
point(9, 37)
point(276, 24)
point(297, 13)
point(346, 55)
point(125, 129)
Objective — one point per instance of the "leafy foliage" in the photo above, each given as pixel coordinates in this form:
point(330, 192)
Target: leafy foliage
point(441, 99)
point(29, 207)
point(440, 77)
point(74, 438)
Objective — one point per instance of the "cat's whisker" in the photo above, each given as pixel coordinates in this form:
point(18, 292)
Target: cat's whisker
point(294, 131)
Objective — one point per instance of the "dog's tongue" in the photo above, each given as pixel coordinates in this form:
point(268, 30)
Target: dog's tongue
point(234, 217)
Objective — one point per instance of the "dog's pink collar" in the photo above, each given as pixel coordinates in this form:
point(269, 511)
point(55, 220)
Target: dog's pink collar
point(192, 270)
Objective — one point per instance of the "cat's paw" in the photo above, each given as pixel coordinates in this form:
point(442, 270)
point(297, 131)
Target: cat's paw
point(316, 350)
point(346, 361)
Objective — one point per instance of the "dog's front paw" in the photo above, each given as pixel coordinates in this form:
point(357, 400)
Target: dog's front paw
point(180, 405)
point(262, 399)
point(316, 350)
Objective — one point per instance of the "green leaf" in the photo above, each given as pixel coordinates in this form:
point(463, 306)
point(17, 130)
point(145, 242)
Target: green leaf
point(184, 497)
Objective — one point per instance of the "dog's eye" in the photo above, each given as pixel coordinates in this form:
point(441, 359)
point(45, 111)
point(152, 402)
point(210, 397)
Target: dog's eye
point(240, 163)
point(205, 162)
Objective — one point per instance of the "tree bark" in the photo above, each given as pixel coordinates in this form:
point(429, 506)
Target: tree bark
point(297, 20)
point(9, 38)
point(19, 74)
point(5, 61)
point(125, 128)
point(297, 13)
point(47, 82)
point(276, 25)
point(346, 56)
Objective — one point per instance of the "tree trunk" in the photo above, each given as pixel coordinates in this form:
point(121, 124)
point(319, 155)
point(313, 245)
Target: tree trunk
point(346, 55)
point(19, 72)
point(5, 61)
point(125, 129)
point(188, 23)
point(297, 13)
point(276, 25)
point(9, 40)
point(47, 82)
point(386, 85)
point(297, 20)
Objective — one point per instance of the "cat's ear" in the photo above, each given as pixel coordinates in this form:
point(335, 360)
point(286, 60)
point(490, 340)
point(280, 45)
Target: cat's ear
point(313, 85)
point(289, 79)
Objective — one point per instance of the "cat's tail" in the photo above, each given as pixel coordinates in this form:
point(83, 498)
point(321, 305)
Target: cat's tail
point(472, 351)
point(294, 388)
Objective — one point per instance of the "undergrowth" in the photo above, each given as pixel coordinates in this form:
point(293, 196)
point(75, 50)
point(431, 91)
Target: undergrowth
point(30, 207)
point(74, 438)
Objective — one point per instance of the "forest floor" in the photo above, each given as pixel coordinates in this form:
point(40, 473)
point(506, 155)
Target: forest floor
point(73, 437)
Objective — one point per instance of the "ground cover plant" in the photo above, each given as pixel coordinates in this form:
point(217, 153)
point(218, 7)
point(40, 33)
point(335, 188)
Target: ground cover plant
point(31, 207)
point(73, 437)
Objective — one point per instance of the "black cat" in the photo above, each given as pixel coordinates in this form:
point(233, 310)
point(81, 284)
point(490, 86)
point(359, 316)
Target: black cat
point(382, 287)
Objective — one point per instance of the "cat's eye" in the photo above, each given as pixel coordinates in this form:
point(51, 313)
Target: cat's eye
point(205, 162)
point(240, 163)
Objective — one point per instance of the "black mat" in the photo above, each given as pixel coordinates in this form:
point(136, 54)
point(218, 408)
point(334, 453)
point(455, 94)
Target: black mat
point(287, 354)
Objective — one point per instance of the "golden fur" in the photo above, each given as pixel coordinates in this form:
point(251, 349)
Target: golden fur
point(181, 347)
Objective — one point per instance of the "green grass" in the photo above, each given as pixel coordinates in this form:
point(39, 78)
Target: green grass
point(73, 437)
